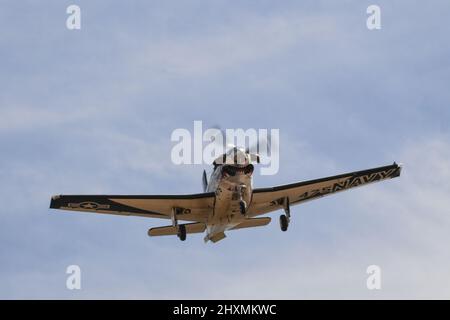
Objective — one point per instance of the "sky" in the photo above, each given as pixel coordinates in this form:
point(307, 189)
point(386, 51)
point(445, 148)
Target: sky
point(91, 111)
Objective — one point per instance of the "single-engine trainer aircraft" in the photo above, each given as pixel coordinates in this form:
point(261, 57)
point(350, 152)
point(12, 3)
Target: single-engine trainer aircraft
point(228, 202)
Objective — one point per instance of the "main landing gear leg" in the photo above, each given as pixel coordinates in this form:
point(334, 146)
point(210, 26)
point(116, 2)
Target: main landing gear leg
point(285, 218)
point(181, 232)
point(181, 229)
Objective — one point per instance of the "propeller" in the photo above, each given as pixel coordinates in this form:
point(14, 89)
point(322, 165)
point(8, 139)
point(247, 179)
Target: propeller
point(263, 144)
point(222, 136)
point(262, 141)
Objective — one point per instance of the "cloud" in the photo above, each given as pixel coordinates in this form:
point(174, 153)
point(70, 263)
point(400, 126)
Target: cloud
point(32, 118)
point(401, 225)
point(92, 112)
point(250, 40)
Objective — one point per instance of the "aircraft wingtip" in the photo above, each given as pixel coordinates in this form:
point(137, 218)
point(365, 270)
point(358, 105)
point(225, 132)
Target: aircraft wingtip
point(53, 201)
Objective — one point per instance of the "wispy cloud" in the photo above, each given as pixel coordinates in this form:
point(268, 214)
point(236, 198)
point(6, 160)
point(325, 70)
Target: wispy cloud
point(248, 40)
point(92, 112)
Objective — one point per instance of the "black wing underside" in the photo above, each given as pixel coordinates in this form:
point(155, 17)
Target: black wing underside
point(195, 207)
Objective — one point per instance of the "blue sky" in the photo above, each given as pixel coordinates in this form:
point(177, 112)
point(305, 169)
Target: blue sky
point(91, 111)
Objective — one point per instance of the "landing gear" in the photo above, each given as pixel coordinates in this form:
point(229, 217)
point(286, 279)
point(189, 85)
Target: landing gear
point(242, 207)
point(285, 218)
point(284, 222)
point(181, 232)
point(242, 204)
point(181, 229)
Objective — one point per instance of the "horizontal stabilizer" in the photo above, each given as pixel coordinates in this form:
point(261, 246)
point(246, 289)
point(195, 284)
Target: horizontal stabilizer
point(217, 237)
point(171, 230)
point(254, 222)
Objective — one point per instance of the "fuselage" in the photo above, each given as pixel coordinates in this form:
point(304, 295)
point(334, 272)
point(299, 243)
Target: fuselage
point(232, 184)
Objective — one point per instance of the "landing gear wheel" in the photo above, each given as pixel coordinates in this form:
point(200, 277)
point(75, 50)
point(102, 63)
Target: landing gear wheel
point(242, 207)
point(182, 232)
point(284, 222)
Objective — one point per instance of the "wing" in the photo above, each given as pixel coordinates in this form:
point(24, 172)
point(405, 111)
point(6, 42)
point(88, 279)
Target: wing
point(195, 207)
point(270, 199)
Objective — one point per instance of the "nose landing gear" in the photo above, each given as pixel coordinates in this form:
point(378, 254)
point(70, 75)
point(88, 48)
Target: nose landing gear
point(242, 207)
point(242, 204)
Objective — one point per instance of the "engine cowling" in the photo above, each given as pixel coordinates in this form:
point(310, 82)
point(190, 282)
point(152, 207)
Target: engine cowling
point(230, 170)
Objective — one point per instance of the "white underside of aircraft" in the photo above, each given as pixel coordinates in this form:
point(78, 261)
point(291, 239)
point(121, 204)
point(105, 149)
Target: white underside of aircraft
point(228, 202)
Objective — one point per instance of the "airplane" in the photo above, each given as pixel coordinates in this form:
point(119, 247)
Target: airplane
point(228, 202)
